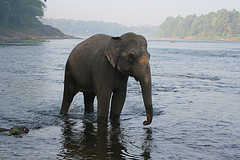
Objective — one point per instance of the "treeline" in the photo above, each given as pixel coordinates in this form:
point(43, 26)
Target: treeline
point(221, 25)
point(87, 28)
point(20, 14)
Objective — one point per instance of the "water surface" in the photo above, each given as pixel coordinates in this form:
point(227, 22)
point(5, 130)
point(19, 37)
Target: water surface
point(196, 99)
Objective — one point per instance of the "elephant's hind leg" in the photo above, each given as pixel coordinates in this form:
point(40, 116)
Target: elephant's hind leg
point(69, 92)
point(88, 101)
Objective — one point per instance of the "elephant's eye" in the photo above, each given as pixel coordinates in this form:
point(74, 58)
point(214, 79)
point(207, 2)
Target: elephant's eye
point(131, 57)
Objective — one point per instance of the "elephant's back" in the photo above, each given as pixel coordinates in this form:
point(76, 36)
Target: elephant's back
point(84, 56)
point(86, 51)
point(91, 45)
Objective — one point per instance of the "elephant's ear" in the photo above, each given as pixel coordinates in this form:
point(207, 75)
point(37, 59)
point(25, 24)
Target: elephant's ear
point(112, 50)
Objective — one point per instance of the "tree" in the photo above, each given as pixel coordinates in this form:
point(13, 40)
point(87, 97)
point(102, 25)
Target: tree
point(221, 25)
point(4, 11)
point(21, 13)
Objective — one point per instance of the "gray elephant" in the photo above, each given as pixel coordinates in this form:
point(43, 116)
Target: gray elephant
point(100, 66)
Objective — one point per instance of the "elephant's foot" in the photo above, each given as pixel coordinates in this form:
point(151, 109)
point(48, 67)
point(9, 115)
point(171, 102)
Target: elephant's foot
point(102, 121)
point(114, 117)
point(63, 111)
point(89, 110)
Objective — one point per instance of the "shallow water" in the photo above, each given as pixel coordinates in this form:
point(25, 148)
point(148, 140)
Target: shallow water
point(196, 98)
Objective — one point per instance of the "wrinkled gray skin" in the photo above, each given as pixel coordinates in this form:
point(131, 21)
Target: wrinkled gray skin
point(100, 66)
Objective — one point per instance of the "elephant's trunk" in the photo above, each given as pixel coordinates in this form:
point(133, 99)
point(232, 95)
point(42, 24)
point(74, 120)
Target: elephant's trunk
point(147, 97)
point(145, 80)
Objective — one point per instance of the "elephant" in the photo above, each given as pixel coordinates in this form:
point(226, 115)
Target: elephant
point(100, 67)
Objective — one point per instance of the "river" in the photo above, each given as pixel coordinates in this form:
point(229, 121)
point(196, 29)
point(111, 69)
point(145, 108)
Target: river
point(196, 100)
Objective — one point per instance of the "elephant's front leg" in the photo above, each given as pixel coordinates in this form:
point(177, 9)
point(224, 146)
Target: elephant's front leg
point(103, 99)
point(118, 100)
point(88, 102)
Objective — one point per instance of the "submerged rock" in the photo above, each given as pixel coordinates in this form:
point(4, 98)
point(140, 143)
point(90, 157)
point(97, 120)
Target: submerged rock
point(3, 129)
point(17, 130)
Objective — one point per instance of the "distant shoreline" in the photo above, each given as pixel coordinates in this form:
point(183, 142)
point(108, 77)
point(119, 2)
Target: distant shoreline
point(194, 38)
point(37, 34)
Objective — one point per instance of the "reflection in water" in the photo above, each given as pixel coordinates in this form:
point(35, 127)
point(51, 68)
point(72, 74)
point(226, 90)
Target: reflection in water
point(147, 145)
point(90, 141)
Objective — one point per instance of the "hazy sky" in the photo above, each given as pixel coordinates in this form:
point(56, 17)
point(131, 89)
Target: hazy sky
point(133, 12)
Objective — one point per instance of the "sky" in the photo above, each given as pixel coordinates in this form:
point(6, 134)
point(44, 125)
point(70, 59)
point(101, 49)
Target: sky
point(133, 12)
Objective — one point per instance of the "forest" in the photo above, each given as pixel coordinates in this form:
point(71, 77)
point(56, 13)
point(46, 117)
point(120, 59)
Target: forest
point(21, 14)
point(25, 15)
point(223, 25)
point(86, 28)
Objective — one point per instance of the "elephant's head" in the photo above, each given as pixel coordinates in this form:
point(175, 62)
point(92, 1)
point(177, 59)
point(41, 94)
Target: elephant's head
point(129, 55)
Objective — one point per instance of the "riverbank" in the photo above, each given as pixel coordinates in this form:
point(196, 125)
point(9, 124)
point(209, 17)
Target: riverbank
point(36, 34)
point(201, 38)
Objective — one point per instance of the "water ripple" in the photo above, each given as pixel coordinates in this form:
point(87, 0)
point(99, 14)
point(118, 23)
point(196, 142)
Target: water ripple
point(195, 92)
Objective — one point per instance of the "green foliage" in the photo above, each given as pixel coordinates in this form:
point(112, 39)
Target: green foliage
point(7, 40)
point(21, 14)
point(221, 25)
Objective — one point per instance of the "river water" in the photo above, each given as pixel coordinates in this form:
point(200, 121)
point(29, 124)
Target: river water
point(196, 100)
